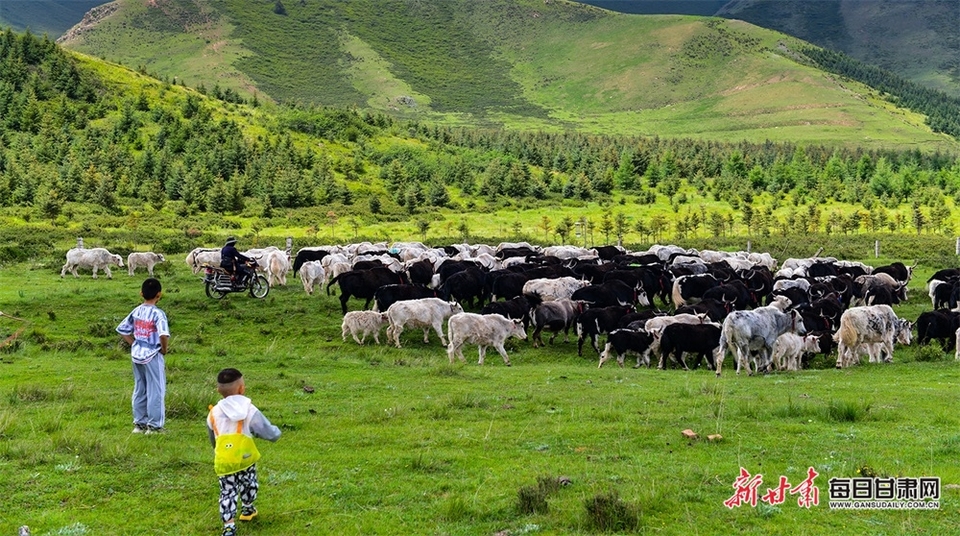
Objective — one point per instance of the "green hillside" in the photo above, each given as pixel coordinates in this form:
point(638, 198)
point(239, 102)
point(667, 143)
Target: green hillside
point(517, 63)
point(93, 149)
point(917, 39)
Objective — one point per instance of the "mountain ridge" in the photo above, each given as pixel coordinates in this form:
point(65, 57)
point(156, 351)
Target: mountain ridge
point(519, 64)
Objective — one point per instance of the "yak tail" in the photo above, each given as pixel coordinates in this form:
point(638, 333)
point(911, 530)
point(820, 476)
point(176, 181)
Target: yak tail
point(332, 281)
point(677, 298)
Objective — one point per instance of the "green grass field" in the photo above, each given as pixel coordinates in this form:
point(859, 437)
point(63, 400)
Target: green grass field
point(399, 441)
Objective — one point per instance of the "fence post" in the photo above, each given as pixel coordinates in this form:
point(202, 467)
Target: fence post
point(80, 242)
point(958, 245)
point(748, 246)
point(289, 245)
point(876, 249)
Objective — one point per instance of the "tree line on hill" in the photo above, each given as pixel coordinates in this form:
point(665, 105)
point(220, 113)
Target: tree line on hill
point(70, 137)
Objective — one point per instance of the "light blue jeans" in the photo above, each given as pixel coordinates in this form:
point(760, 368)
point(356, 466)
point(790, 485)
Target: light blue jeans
point(149, 390)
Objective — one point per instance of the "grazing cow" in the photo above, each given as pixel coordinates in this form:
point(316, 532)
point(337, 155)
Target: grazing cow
point(607, 252)
point(388, 295)
point(515, 309)
point(790, 347)
point(421, 272)
point(624, 341)
point(553, 289)
point(200, 256)
point(744, 332)
point(363, 322)
point(715, 310)
point(897, 270)
point(597, 321)
point(364, 284)
point(567, 252)
point(554, 316)
point(956, 356)
point(482, 330)
point(860, 326)
point(505, 284)
point(735, 293)
point(276, 264)
point(690, 288)
point(700, 339)
point(941, 291)
point(940, 325)
point(465, 285)
point(879, 295)
point(146, 260)
point(312, 273)
point(655, 325)
point(608, 294)
point(865, 283)
point(305, 255)
point(424, 313)
point(796, 295)
point(95, 258)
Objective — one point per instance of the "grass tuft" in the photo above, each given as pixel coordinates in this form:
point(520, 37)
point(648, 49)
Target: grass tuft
point(532, 500)
point(455, 509)
point(608, 513)
point(189, 401)
point(845, 411)
point(929, 353)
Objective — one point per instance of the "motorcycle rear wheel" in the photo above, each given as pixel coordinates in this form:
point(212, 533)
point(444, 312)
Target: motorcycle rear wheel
point(259, 287)
point(211, 288)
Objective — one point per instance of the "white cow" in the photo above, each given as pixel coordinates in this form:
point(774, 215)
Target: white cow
point(866, 325)
point(95, 258)
point(567, 252)
point(276, 264)
point(423, 313)
point(482, 330)
point(757, 330)
point(552, 289)
point(956, 356)
point(200, 256)
point(312, 273)
point(363, 322)
point(146, 259)
point(790, 347)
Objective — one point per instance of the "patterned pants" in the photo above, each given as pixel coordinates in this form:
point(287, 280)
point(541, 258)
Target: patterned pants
point(242, 484)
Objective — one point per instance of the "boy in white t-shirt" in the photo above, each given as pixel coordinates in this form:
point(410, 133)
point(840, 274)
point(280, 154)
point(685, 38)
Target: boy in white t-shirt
point(146, 331)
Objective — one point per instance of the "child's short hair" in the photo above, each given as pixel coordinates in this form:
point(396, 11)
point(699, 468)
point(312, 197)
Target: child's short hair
point(228, 381)
point(150, 288)
point(228, 375)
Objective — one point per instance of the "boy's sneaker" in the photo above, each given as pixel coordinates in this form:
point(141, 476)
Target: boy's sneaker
point(154, 430)
point(229, 530)
point(139, 429)
point(247, 513)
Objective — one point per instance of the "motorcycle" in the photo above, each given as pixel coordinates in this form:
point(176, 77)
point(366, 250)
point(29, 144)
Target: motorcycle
point(219, 282)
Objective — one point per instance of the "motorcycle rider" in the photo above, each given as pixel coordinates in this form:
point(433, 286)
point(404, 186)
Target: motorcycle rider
point(235, 262)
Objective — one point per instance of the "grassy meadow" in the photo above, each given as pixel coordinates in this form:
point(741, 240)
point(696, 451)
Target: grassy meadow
point(399, 441)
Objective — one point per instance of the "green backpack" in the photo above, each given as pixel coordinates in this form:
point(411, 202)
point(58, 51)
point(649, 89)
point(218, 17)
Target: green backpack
point(233, 452)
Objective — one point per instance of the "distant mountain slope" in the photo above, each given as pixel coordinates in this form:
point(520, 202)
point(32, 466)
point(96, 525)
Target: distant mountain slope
point(521, 63)
point(706, 8)
point(51, 17)
point(917, 39)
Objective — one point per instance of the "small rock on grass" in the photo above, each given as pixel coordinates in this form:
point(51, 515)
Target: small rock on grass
point(689, 434)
